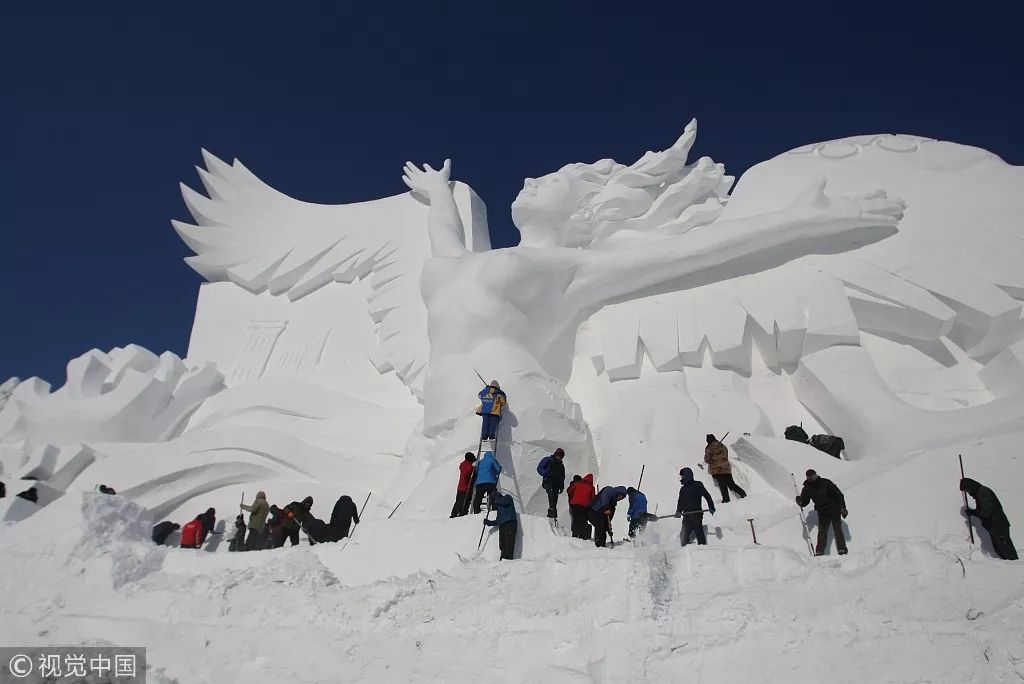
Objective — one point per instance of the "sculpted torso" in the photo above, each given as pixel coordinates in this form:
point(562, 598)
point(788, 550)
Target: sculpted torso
point(512, 294)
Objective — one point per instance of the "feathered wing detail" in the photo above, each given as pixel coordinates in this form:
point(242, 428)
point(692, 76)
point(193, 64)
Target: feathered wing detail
point(249, 233)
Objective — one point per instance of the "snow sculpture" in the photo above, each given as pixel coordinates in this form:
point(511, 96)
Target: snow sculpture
point(654, 258)
point(511, 312)
point(884, 345)
point(6, 389)
point(267, 243)
point(914, 336)
point(126, 395)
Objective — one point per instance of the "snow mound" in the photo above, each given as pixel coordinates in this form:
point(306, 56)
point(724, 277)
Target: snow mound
point(115, 541)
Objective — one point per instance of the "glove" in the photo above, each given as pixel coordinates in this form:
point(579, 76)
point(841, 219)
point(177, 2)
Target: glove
point(970, 511)
point(843, 512)
point(679, 515)
point(712, 511)
point(797, 499)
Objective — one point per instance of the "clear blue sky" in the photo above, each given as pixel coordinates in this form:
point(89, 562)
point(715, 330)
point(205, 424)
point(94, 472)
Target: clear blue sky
point(110, 103)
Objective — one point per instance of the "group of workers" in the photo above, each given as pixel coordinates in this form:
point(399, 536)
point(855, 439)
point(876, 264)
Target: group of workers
point(269, 527)
point(591, 510)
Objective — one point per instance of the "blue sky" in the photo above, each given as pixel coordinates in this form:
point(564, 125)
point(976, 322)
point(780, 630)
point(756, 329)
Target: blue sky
point(110, 102)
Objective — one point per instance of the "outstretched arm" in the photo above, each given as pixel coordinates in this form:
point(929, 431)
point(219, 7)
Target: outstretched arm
point(444, 221)
point(729, 248)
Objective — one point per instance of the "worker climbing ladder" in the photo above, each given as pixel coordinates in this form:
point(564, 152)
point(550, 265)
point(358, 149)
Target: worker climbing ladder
point(471, 492)
point(488, 433)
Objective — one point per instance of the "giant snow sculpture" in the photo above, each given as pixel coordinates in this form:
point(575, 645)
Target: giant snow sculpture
point(644, 307)
point(592, 233)
point(907, 341)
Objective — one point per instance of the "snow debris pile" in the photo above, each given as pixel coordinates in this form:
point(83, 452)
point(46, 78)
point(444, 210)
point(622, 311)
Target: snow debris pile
point(115, 540)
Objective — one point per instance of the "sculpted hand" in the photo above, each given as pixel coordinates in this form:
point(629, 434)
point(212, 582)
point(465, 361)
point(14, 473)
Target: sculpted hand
point(427, 182)
point(839, 213)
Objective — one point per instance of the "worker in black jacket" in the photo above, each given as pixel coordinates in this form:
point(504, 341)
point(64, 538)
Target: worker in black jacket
point(344, 514)
point(989, 511)
point(161, 531)
point(689, 507)
point(830, 505)
point(292, 516)
point(554, 480)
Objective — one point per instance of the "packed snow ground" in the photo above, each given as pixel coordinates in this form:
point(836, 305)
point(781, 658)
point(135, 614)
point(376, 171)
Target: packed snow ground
point(412, 600)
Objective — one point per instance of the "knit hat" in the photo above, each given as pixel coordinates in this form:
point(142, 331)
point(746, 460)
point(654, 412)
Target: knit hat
point(711, 438)
point(811, 474)
point(686, 474)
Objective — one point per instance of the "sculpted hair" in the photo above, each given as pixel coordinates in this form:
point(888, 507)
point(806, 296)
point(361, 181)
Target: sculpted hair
point(658, 195)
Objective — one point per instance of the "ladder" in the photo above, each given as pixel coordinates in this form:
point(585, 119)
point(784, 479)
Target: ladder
point(485, 504)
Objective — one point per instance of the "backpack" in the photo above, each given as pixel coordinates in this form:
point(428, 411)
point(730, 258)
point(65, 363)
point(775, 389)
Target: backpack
point(542, 467)
point(797, 434)
point(830, 444)
point(190, 534)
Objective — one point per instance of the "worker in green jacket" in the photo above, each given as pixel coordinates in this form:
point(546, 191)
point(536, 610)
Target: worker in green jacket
point(258, 512)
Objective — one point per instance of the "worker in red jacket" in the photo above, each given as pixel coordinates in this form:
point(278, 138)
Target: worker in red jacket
point(581, 494)
point(462, 497)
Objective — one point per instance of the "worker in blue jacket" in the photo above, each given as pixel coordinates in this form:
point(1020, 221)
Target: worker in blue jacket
point(508, 525)
point(637, 513)
point(492, 403)
point(487, 472)
point(603, 510)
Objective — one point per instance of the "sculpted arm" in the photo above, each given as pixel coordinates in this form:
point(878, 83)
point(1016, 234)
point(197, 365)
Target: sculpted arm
point(726, 249)
point(445, 224)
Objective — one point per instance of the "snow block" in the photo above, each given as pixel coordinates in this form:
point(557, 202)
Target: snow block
point(1004, 374)
point(882, 301)
point(779, 461)
point(725, 325)
point(659, 333)
point(620, 337)
point(20, 509)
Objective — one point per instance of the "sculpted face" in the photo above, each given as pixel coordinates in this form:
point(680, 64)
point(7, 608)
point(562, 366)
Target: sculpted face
point(543, 209)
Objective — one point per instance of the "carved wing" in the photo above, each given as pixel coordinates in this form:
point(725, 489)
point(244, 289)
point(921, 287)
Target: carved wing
point(249, 233)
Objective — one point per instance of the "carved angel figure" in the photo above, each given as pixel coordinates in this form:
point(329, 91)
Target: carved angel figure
point(592, 234)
